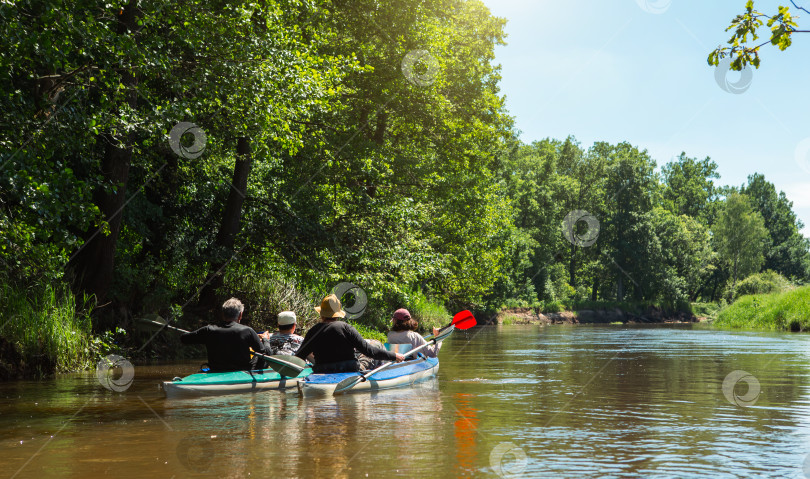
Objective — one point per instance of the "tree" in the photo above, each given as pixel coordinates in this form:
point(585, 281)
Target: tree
point(630, 189)
point(742, 53)
point(788, 252)
point(689, 189)
point(741, 237)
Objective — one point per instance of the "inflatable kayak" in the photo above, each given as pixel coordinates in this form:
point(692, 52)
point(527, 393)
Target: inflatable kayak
point(403, 374)
point(210, 384)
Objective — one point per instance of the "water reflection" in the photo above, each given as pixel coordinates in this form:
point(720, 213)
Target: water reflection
point(518, 401)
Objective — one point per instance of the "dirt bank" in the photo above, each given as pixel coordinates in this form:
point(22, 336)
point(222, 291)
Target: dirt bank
point(530, 316)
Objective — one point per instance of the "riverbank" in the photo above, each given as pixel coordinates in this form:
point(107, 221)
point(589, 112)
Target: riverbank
point(606, 315)
point(785, 311)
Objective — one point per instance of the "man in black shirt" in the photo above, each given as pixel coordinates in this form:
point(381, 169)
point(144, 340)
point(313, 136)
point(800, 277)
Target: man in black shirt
point(333, 342)
point(228, 343)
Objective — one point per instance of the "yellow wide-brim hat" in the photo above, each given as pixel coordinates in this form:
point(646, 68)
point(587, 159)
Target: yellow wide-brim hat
point(331, 308)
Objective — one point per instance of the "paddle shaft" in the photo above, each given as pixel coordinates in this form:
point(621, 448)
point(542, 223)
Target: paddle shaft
point(456, 319)
point(410, 353)
point(174, 328)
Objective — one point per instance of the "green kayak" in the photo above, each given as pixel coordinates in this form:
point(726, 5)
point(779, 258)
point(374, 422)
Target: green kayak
point(210, 384)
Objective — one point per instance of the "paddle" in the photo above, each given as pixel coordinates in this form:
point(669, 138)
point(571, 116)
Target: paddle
point(287, 366)
point(462, 320)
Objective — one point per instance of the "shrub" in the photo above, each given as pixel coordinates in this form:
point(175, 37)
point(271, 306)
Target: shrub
point(552, 307)
point(264, 298)
point(763, 283)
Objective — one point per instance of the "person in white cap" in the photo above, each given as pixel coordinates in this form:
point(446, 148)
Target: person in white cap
point(284, 341)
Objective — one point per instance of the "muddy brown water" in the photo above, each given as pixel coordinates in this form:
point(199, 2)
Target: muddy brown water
point(514, 401)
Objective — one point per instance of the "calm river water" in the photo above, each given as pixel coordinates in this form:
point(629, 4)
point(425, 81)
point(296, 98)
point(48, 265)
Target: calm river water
point(514, 401)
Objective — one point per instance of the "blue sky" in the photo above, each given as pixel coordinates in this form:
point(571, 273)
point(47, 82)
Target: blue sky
point(612, 70)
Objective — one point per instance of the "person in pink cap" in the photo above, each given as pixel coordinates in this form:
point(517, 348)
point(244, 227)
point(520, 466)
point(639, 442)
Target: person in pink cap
point(403, 331)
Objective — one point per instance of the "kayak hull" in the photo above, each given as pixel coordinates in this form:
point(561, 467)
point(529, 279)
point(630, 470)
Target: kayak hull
point(236, 382)
point(400, 375)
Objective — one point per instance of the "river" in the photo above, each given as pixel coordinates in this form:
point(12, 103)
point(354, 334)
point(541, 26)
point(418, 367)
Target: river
point(515, 401)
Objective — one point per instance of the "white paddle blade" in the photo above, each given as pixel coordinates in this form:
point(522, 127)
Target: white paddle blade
point(347, 384)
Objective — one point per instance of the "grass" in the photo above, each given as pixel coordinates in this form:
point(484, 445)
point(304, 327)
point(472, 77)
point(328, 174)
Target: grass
point(706, 310)
point(43, 325)
point(786, 311)
point(369, 333)
point(428, 313)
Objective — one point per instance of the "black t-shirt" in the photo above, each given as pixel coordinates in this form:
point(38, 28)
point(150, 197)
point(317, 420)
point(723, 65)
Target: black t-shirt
point(335, 341)
point(227, 345)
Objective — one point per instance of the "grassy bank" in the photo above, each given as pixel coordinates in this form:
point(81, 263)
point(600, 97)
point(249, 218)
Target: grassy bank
point(786, 311)
point(42, 332)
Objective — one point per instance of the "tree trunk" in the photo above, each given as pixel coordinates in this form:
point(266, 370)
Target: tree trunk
point(93, 265)
point(231, 222)
point(620, 288)
point(734, 280)
point(572, 268)
point(595, 291)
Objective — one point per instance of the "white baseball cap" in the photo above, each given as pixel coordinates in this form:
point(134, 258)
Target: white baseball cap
point(286, 318)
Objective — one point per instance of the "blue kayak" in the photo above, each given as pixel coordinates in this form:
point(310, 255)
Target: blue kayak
point(399, 375)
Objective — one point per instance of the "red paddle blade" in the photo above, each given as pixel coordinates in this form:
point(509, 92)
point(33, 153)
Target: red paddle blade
point(464, 320)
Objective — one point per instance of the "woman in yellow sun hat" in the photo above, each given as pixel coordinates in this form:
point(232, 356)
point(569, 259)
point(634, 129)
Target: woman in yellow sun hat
point(333, 342)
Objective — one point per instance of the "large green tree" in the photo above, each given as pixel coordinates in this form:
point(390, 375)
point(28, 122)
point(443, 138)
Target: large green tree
point(741, 237)
point(689, 187)
point(788, 252)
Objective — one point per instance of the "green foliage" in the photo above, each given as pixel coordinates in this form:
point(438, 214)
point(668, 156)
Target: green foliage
point(689, 188)
point(369, 332)
point(358, 172)
point(762, 283)
point(741, 237)
point(428, 313)
point(552, 307)
point(786, 311)
point(47, 330)
point(743, 50)
point(788, 252)
point(706, 310)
